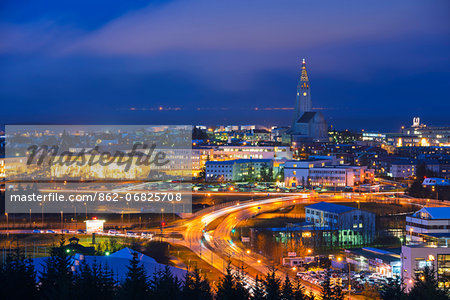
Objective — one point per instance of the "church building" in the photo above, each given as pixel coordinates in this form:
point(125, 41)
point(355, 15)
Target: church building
point(307, 125)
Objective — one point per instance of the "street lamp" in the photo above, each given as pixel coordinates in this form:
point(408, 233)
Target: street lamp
point(42, 206)
point(7, 224)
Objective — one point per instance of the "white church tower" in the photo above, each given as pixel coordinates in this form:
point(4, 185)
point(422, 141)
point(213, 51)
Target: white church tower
point(307, 125)
point(303, 103)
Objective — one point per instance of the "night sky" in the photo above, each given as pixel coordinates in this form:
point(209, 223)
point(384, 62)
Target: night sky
point(372, 64)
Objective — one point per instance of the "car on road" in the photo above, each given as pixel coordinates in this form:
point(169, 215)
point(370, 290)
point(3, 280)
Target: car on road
point(81, 231)
point(146, 235)
point(113, 232)
point(36, 231)
point(50, 231)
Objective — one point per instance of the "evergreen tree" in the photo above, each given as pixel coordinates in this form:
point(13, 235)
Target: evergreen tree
point(327, 291)
point(258, 290)
point(17, 277)
point(287, 291)
point(230, 288)
point(57, 278)
point(164, 285)
point(272, 285)
point(135, 285)
point(426, 287)
point(95, 282)
point(393, 290)
point(311, 296)
point(196, 287)
point(299, 293)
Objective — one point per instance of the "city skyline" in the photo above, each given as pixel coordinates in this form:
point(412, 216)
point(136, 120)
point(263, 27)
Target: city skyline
point(138, 62)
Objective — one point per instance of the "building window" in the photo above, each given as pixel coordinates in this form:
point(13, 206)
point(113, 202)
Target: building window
point(443, 270)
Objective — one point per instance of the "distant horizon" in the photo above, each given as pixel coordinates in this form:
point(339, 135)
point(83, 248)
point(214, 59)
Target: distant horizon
point(385, 128)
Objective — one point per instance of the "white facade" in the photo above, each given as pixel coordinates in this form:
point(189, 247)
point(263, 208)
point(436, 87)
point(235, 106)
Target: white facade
point(237, 170)
point(324, 172)
point(427, 222)
point(402, 170)
point(428, 236)
point(251, 152)
point(415, 258)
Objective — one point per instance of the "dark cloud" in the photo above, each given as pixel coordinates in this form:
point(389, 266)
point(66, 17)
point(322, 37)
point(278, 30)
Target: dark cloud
point(363, 57)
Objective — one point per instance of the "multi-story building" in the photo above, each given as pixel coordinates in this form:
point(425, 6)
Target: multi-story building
point(239, 170)
point(402, 168)
point(329, 172)
point(200, 156)
point(251, 152)
point(203, 154)
point(428, 238)
point(341, 225)
point(427, 222)
point(427, 135)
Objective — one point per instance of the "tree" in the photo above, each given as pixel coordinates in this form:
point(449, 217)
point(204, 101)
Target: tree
point(164, 285)
point(327, 291)
point(311, 296)
point(196, 287)
point(272, 285)
point(258, 290)
point(17, 277)
point(426, 287)
point(287, 291)
point(230, 287)
point(135, 285)
point(299, 293)
point(95, 282)
point(393, 290)
point(57, 278)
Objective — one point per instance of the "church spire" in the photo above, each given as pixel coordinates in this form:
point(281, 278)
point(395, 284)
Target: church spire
point(303, 103)
point(304, 76)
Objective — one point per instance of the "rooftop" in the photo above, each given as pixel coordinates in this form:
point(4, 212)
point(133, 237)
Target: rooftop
point(439, 212)
point(331, 207)
point(238, 161)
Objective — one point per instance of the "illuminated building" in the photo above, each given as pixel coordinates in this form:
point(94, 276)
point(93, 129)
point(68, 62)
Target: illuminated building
point(421, 135)
point(2, 168)
point(329, 172)
point(307, 125)
point(239, 170)
point(251, 152)
point(383, 262)
point(343, 137)
point(428, 238)
point(341, 225)
point(402, 168)
point(428, 221)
